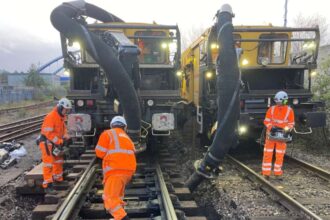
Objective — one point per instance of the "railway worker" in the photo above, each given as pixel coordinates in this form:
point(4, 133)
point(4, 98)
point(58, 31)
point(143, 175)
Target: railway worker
point(277, 116)
point(53, 135)
point(117, 151)
point(141, 45)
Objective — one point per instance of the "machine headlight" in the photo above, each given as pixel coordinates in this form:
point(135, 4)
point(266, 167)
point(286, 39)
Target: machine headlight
point(309, 45)
point(76, 45)
point(242, 129)
point(245, 62)
point(66, 72)
point(164, 45)
point(214, 46)
point(314, 73)
point(179, 73)
point(295, 101)
point(150, 102)
point(286, 128)
point(209, 75)
point(80, 103)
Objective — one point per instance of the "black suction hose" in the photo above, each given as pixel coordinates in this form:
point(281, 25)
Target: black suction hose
point(228, 101)
point(65, 18)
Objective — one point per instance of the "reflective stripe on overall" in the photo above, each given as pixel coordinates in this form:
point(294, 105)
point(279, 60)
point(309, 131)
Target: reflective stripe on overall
point(280, 147)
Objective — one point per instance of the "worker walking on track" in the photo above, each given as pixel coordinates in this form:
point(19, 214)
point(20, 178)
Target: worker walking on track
point(118, 153)
point(53, 135)
point(278, 118)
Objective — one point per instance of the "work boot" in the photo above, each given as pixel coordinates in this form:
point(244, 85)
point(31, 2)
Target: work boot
point(125, 218)
point(50, 189)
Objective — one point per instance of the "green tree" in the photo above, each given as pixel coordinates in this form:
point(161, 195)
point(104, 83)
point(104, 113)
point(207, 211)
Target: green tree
point(33, 78)
point(321, 82)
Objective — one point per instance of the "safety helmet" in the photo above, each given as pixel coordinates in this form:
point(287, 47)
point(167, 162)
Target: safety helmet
point(118, 120)
point(64, 103)
point(226, 8)
point(281, 97)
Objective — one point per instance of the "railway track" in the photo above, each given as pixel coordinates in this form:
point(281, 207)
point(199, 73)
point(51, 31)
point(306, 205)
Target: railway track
point(26, 107)
point(156, 191)
point(304, 192)
point(19, 129)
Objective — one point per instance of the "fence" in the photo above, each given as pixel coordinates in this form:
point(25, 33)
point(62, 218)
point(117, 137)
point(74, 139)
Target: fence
point(11, 95)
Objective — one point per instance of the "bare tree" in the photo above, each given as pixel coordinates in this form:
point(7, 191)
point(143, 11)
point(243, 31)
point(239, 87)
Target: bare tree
point(313, 21)
point(191, 34)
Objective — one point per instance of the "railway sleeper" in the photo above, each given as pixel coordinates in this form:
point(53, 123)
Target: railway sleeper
point(139, 209)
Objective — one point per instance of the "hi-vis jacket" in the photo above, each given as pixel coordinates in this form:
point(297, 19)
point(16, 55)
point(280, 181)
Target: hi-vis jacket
point(53, 127)
point(279, 116)
point(117, 151)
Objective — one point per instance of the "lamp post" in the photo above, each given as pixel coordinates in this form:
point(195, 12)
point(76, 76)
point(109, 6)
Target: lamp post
point(285, 12)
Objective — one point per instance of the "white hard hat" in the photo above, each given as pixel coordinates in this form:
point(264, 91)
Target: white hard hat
point(226, 8)
point(118, 120)
point(281, 97)
point(65, 103)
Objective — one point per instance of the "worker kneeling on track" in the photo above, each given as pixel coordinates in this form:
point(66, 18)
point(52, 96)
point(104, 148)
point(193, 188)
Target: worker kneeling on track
point(119, 164)
point(53, 135)
point(279, 122)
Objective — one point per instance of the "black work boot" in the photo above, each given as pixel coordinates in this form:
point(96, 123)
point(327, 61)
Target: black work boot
point(50, 189)
point(125, 218)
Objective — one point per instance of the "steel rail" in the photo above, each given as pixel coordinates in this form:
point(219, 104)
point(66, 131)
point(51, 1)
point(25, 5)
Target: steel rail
point(307, 166)
point(23, 129)
point(38, 122)
point(25, 107)
point(22, 121)
point(288, 200)
point(20, 135)
point(166, 199)
point(65, 210)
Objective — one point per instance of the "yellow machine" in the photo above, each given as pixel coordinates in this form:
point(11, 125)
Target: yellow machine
point(270, 59)
point(156, 42)
point(150, 54)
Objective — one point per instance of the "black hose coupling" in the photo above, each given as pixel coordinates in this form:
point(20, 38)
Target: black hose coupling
point(206, 170)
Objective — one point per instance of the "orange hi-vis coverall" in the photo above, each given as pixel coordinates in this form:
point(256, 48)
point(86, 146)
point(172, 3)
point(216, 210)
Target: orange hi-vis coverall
point(119, 164)
point(279, 116)
point(54, 129)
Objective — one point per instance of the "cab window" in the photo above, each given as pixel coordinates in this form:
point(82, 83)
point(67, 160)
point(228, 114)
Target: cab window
point(272, 51)
point(153, 50)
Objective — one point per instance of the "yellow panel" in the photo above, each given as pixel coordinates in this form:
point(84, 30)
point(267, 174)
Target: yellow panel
point(196, 75)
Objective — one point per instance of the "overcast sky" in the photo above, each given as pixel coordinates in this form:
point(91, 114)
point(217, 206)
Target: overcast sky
point(27, 36)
